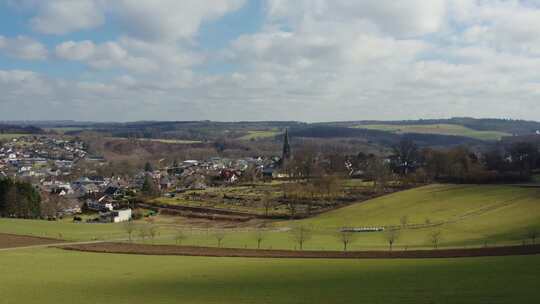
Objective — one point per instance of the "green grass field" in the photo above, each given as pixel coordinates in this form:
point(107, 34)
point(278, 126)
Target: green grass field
point(468, 215)
point(55, 276)
point(443, 129)
point(160, 140)
point(10, 136)
point(259, 134)
point(63, 229)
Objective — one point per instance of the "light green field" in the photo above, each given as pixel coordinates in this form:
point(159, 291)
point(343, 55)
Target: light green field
point(63, 130)
point(443, 129)
point(161, 140)
point(466, 215)
point(54, 276)
point(64, 229)
point(9, 136)
point(259, 134)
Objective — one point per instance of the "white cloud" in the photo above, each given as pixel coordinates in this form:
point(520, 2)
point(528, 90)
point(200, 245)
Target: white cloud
point(23, 48)
point(143, 19)
point(65, 16)
point(107, 55)
point(310, 60)
point(399, 18)
point(170, 19)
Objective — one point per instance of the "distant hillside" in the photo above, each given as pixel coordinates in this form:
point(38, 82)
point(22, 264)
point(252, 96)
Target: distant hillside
point(426, 132)
point(188, 130)
point(441, 129)
point(381, 137)
point(512, 127)
point(16, 129)
point(466, 214)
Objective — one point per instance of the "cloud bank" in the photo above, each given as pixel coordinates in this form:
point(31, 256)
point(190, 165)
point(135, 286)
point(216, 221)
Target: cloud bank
point(311, 60)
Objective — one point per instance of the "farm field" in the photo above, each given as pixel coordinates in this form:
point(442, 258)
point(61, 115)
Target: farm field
point(12, 241)
point(443, 129)
point(466, 216)
point(252, 135)
point(9, 136)
point(250, 199)
point(63, 229)
point(56, 276)
point(160, 140)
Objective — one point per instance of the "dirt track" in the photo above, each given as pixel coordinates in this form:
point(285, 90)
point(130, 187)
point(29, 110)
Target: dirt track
point(13, 241)
point(126, 248)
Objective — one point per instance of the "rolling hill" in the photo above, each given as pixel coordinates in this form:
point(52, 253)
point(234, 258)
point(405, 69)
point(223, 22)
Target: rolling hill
point(465, 214)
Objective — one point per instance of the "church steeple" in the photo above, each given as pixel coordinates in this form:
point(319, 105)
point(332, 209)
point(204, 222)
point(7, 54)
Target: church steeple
point(286, 146)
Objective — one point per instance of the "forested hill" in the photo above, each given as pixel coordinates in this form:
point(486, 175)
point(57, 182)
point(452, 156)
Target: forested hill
point(381, 137)
point(19, 129)
point(514, 127)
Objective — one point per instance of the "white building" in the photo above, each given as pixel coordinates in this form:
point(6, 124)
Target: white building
point(116, 216)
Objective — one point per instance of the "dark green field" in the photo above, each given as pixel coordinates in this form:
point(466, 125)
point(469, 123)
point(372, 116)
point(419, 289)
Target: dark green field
point(54, 276)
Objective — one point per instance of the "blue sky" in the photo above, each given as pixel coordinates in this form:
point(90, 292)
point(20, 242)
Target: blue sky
point(309, 60)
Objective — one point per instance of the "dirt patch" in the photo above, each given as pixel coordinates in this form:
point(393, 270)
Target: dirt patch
point(127, 248)
point(12, 241)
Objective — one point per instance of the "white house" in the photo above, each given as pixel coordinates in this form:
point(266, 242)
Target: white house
point(116, 216)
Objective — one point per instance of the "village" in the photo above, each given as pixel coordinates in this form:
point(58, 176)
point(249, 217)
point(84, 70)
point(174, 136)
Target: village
point(58, 168)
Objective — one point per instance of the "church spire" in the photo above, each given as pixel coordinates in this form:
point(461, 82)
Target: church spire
point(286, 146)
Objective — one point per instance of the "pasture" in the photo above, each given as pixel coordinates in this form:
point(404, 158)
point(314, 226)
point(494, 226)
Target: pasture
point(442, 129)
point(253, 135)
point(10, 136)
point(159, 140)
point(466, 216)
point(56, 276)
point(62, 229)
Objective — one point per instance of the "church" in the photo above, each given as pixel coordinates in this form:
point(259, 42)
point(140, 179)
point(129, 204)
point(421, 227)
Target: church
point(277, 168)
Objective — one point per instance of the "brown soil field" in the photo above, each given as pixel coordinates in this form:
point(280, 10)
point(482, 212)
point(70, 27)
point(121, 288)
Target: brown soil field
point(127, 248)
point(12, 241)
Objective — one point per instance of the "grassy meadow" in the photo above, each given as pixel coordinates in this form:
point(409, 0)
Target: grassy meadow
point(466, 215)
point(62, 229)
point(252, 135)
point(55, 276)
point(443, 129)
point(10, 136)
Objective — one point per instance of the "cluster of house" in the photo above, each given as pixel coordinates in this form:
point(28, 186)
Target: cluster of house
point(49, 162)
point(107, 195)
point(40, 156)
point(194, 174)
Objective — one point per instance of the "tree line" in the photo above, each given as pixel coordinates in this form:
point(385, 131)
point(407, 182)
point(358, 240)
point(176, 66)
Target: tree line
point(19, 199)
point(408, 163)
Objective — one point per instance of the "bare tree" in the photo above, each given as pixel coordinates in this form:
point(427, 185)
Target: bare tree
point(219, 235)
point(267, 203)
point(51, 205)
point(330, 185)
point(260, 235)
point(346, 238)
point(391, 236)
point(152, 231)
point(379, 172)
point(292, 207)
point(301, 235)
point(143, 232)
point(179, 236)
point(404, 220)
point(532, 233)
point(129, 228)
point(435, 238)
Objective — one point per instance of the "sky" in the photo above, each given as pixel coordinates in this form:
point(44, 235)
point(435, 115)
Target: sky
point(305, 60)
